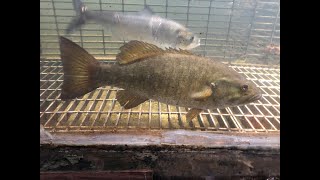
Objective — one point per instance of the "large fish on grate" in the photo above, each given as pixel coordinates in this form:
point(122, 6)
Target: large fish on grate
point(144, 71)
point(143, 26)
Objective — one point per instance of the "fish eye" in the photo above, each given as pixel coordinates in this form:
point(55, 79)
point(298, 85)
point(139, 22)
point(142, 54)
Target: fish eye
point(244, 88)
point(191, 39)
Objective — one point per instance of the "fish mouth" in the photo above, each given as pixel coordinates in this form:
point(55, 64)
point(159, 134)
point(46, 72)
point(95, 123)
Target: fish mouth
point(255, 97)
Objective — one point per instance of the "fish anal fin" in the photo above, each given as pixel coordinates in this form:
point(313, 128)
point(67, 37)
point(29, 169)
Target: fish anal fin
point(202, 95)
point(129, 100)
point(193, 112)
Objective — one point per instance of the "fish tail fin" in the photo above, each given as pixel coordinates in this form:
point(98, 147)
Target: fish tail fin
point(80, 18)
point(79, 68)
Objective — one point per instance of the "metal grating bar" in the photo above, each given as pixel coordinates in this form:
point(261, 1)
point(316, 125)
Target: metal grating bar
point(149, 114)
point(99, 110)
point(229, 27)
point(223, 120)
point(180, 117)
point(247, 120)
point(55, 17)
point(166, 8)
point(212, 121)
point(140, 113)
point(102, 31)
point(274, 25)
point(103, 104)
point(205, 43)
point(109, 112)
point(159, 109)
point(169, 118)
point(188, 13)
point(122, 3)
point(251, 24)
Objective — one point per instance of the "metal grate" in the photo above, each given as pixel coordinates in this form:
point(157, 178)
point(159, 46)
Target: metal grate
point(233, 30)
point(99, 110)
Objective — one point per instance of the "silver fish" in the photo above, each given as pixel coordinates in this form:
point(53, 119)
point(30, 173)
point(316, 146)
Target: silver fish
point(142, 26)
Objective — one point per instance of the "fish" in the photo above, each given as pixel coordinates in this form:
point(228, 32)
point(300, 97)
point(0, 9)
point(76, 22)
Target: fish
point(144, 71)
point(143, 26)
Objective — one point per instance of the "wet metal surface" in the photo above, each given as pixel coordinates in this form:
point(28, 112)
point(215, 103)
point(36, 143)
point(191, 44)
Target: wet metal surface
point(170, 138)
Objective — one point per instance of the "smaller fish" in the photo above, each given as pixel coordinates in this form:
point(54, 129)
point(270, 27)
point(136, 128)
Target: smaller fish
point(143, 26)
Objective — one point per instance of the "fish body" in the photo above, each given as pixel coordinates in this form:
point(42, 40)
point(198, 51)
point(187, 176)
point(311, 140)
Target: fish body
point(145, 71)
point(142, 26)
point(168, 78)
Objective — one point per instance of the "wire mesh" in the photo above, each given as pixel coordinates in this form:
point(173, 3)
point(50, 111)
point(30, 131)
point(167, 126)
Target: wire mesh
point(100, 111)
point(233, 30)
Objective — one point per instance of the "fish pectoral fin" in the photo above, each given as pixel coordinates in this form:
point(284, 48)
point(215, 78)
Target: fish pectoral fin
point(202, 95)
point(192, 113)
point(146, 11)
point(129, 100)
point(136, 50)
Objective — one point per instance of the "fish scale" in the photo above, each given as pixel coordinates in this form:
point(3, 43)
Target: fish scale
point(178, 71)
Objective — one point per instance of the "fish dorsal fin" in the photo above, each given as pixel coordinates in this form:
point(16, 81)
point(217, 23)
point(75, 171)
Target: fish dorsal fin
point(146, 11)
point(177, 51)
point(136, 50)
point(129, 100)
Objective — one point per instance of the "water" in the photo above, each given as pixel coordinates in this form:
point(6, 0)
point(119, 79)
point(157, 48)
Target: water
point(235, 31)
